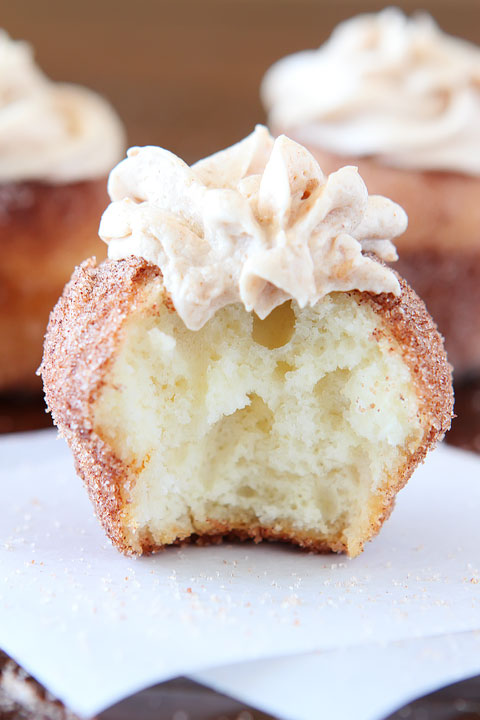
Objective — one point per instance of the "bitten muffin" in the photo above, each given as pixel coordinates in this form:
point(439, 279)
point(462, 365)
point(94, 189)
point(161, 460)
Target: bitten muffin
point(401, 100)
point(58, 143)
point(244, 364)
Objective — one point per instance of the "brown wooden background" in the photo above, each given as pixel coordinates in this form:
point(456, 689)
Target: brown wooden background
point(185, 74)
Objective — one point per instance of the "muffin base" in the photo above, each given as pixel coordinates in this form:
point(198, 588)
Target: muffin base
point(85, 335)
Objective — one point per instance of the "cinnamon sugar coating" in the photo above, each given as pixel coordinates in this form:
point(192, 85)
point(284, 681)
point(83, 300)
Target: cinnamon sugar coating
point(83, 334)
point(83, 338)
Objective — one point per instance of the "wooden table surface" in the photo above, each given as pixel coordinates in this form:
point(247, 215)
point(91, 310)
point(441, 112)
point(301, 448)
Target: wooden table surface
point(185, 75)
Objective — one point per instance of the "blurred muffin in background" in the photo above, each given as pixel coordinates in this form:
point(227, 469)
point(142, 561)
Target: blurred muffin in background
point(58, 143)
point(400, 99)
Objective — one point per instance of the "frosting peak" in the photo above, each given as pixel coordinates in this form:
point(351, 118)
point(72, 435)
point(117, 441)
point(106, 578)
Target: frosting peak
point(257, 223)
point(384, 85)
point(51, 131)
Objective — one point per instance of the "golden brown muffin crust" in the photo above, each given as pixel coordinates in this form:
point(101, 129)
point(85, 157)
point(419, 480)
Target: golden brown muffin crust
point(83, 334)
point(85, 331)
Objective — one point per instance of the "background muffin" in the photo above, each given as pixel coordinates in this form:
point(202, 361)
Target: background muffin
point(57, 144)
point(401, 100)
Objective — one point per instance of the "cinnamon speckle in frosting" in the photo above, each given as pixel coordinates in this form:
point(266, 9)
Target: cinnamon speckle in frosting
point(257, 223)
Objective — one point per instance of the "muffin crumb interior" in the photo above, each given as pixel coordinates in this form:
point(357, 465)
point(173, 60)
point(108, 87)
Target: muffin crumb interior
point(295, 431)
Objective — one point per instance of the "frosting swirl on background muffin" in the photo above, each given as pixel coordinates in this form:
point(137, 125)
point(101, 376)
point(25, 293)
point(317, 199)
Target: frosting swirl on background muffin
point(384, 85)
point(257, 223)
point(49, 131)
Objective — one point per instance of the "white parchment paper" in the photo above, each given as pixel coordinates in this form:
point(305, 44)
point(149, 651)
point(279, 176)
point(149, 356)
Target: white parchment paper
point(365, 682)
point(94, 626)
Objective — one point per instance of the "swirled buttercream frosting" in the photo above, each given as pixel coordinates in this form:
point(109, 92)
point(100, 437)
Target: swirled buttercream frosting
point(383, 85)
point(53, 132)
point(257, 223)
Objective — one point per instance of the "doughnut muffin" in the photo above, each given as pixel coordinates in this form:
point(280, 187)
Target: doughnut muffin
point(401, 100)
point(57, 144)
point(244, 364)
point(23, 698)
